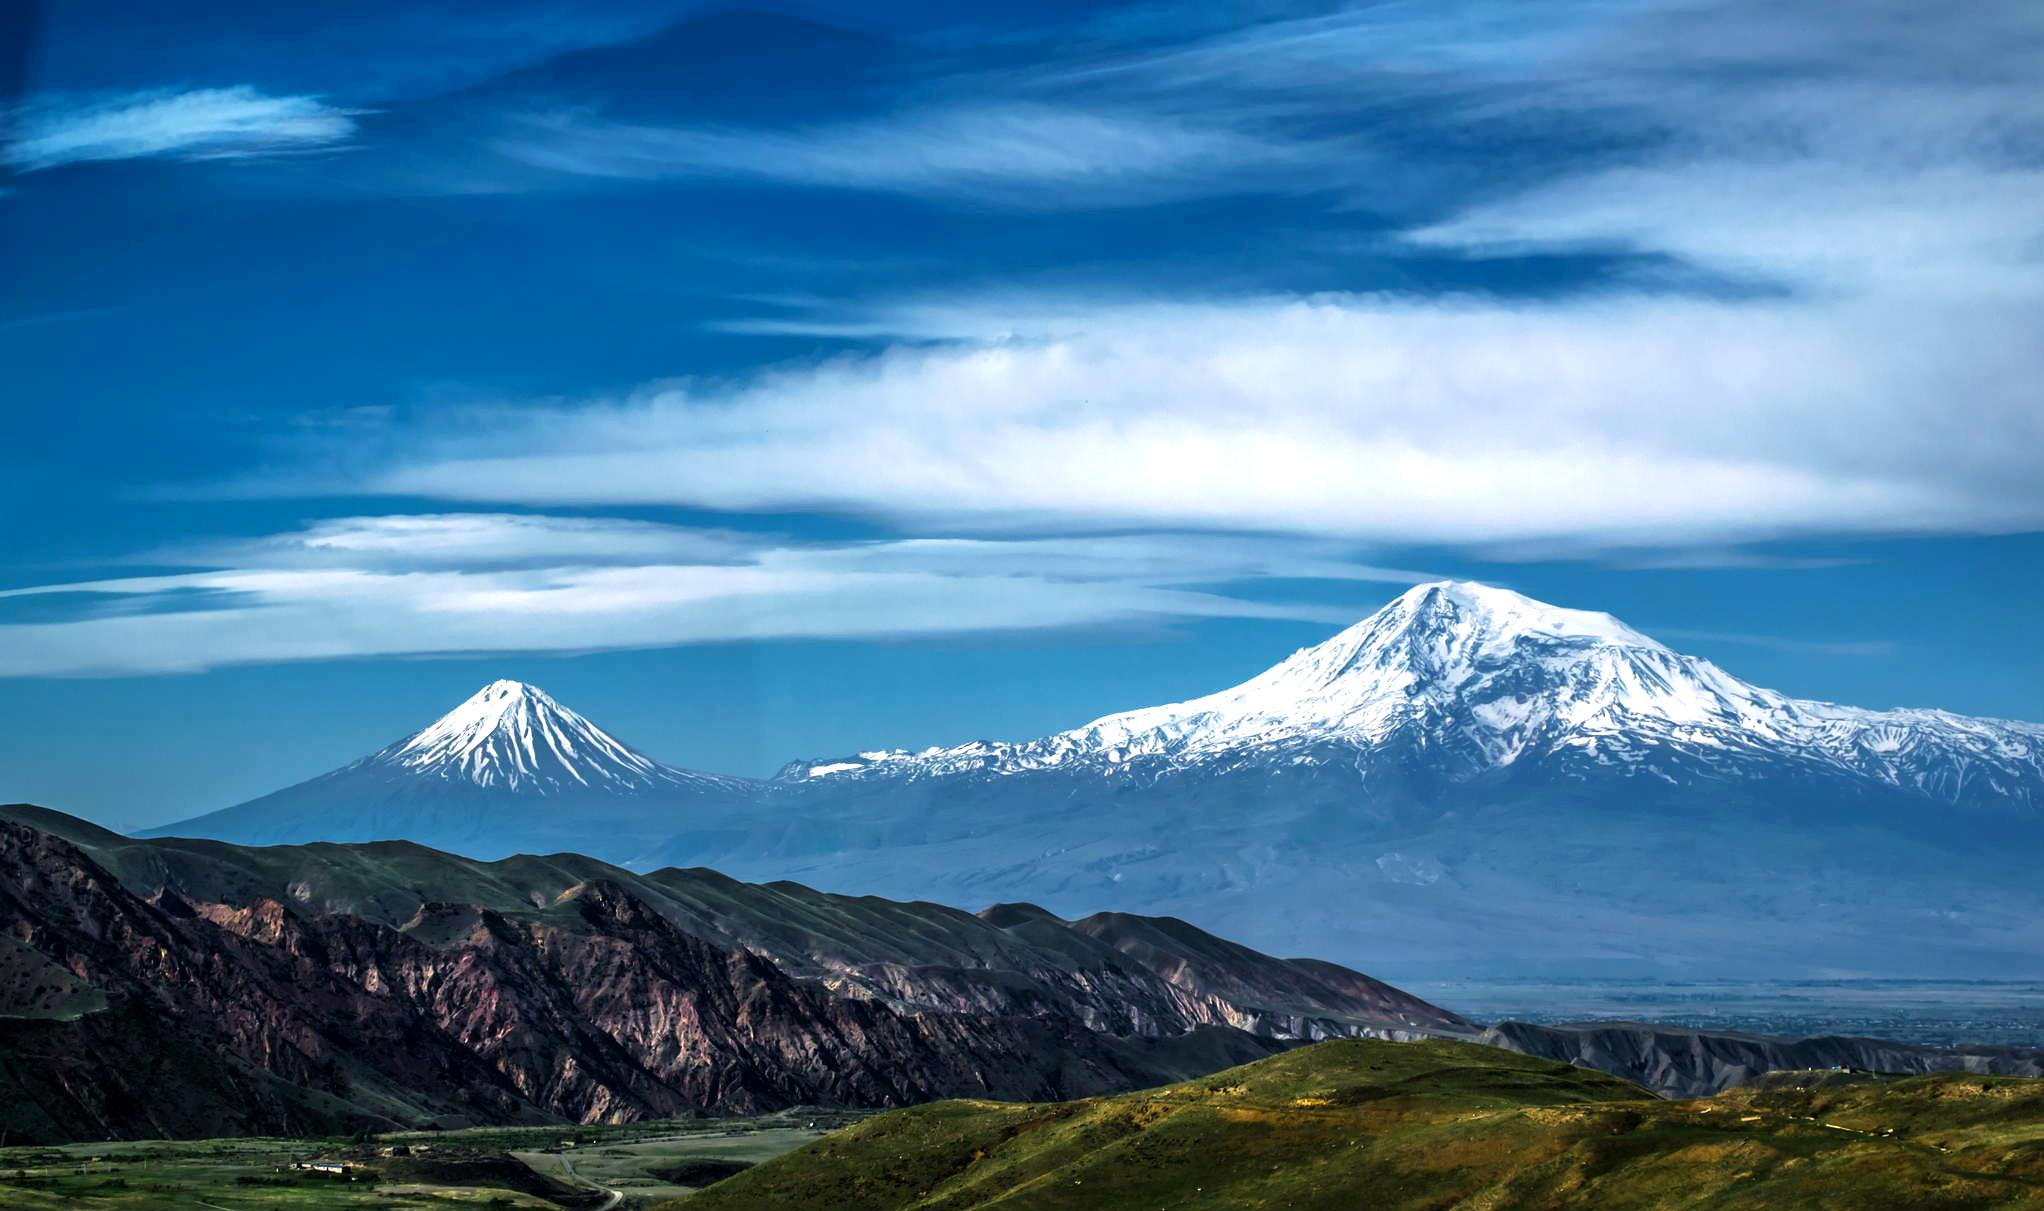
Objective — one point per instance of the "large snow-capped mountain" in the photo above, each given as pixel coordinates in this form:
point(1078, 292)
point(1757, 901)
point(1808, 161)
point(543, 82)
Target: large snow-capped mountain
point(1468, 775)
point(509, 769)
point(1480, 678)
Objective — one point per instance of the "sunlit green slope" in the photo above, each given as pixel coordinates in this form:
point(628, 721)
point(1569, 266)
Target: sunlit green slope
point(1354, 1124)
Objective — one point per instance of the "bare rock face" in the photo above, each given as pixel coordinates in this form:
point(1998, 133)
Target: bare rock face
point(210, 1011)
point(1115, 973)
point(1223, 982)
point(251, 1017)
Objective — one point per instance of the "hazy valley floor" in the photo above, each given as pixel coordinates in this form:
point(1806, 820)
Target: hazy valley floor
point(1933, 1013)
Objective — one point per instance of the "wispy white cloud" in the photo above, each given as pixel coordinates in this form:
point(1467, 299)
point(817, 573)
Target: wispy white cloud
point(197, 124)
point(1622, 421)
point(1721, 559)
point(1869, 151)
point(1015, 152)
point(470, 541)
point(380, 586)
point(1871, 176)
point(1961, 231)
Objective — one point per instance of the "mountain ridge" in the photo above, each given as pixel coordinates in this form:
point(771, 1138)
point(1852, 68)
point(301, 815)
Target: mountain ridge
point(208, 987)
point(916, 956)
point(1466, 776)
point(550, 989)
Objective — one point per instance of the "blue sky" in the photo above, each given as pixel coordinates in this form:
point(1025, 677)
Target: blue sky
point(774, 382)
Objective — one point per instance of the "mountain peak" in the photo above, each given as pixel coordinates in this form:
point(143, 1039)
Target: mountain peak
point(506, 690)
point(496, 706)
point(1451, 665)
point(1479, 660)
point(1499, 614)
point(509, 768)
point(1436, 637)
point(515, 736)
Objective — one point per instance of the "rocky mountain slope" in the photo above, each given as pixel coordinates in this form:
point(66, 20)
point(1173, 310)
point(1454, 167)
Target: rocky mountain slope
point(254, 1018)
point(1675, 1061)
point(508, 769)
point(176, 987)
point(1122, 974)
point(179, 987)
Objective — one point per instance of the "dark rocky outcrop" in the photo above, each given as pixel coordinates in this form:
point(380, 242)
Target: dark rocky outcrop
point(1113, 972)
point(167, 988)
point(1675, 1061)
point(254, 1018)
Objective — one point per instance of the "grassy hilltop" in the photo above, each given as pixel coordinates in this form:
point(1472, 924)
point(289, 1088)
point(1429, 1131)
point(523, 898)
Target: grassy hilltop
point(1350, 1124)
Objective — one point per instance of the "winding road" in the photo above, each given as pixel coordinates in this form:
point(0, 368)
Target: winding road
point(616, 1196)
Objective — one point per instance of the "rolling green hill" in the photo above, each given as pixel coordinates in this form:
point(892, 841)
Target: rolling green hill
point(1352, 1123)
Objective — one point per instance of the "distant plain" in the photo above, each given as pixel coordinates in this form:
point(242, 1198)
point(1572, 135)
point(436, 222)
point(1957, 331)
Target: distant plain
point(1936, 1013)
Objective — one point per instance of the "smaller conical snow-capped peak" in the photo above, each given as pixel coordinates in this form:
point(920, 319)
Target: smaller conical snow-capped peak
point(513, 736)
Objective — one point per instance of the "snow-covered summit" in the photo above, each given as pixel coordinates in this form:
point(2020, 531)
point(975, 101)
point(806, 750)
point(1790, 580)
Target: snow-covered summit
point(508, 770)
point(515, 737)
point(1434, 640)
point(1481, 678)
point(1478, 616)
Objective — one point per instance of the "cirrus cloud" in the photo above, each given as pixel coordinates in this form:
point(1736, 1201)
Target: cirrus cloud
point(1857, 189)
point(1018, 153)
point(1620, 420)
point(468, 583)
point(195, 124)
